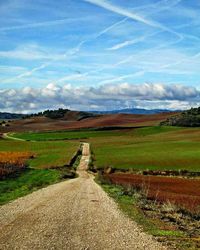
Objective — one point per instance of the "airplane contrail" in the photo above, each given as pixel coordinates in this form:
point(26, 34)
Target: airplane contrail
point(130, 14)
point(131, 42)
point(74, 51)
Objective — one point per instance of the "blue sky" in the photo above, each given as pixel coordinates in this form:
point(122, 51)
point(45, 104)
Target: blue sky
point(117, 54)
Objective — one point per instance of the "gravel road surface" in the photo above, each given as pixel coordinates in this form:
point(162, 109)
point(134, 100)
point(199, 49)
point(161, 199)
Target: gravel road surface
point(74, 214)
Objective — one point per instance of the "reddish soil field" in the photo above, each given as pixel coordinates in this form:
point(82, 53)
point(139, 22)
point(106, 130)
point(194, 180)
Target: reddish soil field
point(70, 122)
point(180, 191)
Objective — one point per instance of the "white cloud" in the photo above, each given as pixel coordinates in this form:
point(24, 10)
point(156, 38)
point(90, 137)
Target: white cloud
point(108, 96)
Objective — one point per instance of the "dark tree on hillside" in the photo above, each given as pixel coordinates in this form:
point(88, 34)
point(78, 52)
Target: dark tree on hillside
point(188, 118)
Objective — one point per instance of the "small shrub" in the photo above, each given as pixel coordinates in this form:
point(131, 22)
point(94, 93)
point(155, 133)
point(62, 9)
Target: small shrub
point(169, 207)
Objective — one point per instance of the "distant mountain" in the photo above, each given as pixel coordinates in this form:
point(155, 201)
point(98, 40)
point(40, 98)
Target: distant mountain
point(10, 116)
point(135, 111)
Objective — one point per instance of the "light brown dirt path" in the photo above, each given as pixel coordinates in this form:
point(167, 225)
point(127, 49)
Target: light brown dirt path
point(8, 136)
point(75, 214)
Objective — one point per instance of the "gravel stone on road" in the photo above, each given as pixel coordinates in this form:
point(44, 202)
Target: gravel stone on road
point(73, 214)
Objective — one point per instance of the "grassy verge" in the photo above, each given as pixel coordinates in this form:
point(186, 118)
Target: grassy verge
point(27, 182)
point(129, 204)
point(31, 179)
point(130, 201)
point(77, 161)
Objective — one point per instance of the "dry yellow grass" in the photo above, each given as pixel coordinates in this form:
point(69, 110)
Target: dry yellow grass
point(14, 157)
point(11, 162)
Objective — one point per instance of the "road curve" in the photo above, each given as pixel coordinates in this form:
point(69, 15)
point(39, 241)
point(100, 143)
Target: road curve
point(7, 136)
point(74, 214)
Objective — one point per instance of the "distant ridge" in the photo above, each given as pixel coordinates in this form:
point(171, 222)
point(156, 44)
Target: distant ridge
point(54, 120)
point(10, 116)
point(135, 111)
point(60, 113)
point(65, 114)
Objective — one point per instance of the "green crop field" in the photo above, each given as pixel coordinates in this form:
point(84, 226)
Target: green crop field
point(148, 148)
point(47, 154)
point(66, 135)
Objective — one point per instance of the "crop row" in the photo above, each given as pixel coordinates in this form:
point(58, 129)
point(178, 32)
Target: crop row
point(178, 191)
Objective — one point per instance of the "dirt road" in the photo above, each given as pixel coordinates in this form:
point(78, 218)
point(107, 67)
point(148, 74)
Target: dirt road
point(74, 214)
point(7, 136)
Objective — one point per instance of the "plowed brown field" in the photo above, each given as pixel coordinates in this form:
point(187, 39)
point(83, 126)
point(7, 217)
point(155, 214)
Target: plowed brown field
point(180, 191)
point(44, 123)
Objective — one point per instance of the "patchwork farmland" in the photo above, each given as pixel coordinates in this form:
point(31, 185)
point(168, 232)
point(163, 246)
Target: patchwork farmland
point(151, 162)
point(139, 150)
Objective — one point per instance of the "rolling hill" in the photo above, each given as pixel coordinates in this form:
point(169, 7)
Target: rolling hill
point(81, 120)
point(188, 118)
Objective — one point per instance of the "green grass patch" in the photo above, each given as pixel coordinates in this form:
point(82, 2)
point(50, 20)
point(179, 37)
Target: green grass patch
point(152, 148)
point(39, 174)
point(154, 130)
point(66, 135)
point(47, 154)
point(88, 133)
point(27, 182)
point(77, 162)
point(150, 156)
